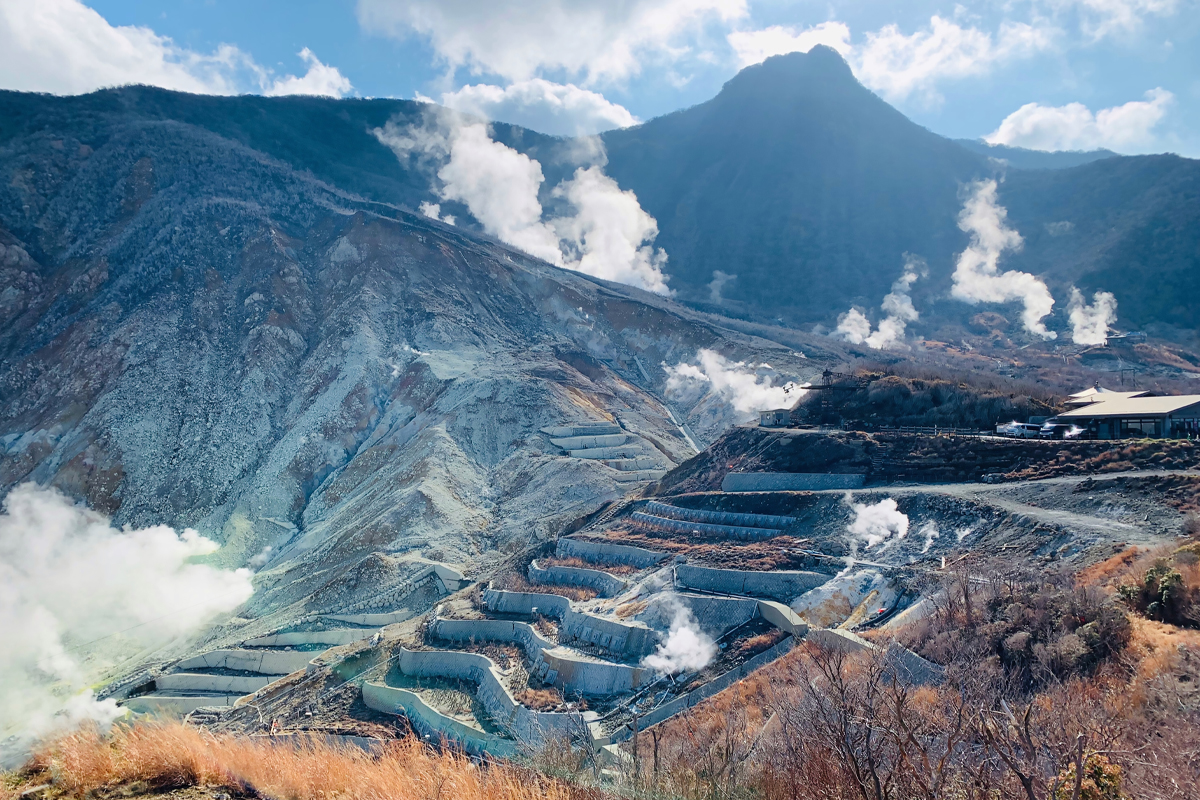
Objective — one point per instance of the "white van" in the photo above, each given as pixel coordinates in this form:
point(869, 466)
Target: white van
point(1019, 430)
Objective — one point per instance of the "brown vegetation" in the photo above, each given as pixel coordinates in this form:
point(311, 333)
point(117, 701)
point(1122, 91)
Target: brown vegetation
point(773, 554)
point(516, 582)
point(540, 699)
point(1051, 693)
point(579, 563)
point(152, 758)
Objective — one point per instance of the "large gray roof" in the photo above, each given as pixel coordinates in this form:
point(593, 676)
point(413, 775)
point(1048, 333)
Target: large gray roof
point(1133, 407)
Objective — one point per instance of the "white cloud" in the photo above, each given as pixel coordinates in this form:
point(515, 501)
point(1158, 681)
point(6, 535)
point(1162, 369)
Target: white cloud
point(1101, 18)
point(69, 579)
point(753, 47)
point(321, 80)
point(1074, 127)
point(898, 65)
point(1090, 323)
point(65, 47)
point(598, 41)
point(977, 278)
point(609, 236)
point(554, 108)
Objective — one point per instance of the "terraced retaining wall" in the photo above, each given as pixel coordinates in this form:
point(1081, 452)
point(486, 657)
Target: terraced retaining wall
point(718, 517)
point(331, 638)
point(434, 724)
point(157, 704)
point(717, 615)
point(781, 585)
point(655, 524)
point(617, 451)
point(683, 703)
point(607, 585)
point(521, 722)
point(264, 662)
point(604, 553)
point(788, 481)
point(590, 429)
point(588, 442)
point(217, 684)
point(621, 639)
point(553, 666)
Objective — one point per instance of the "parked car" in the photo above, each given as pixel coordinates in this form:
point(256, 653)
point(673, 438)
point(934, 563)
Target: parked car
point(1018, 430)
point(1062, 430)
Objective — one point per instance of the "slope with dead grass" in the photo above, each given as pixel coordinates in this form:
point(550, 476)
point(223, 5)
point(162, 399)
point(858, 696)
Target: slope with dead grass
point(148, 759)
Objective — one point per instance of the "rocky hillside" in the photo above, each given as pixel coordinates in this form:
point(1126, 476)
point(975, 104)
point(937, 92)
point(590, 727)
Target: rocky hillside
point(192, 332)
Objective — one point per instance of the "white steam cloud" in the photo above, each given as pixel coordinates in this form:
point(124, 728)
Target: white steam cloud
point(686, 648)
point(1090, 323)
point(746, 388)
point(68, 579)
point(717, 285)
point(876, 523)
point(977, 278)
point(897, 306)
point(434, 211)
point(609, 236)
point(930, 531)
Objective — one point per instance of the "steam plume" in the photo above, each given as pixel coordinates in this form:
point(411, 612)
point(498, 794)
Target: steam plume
point(609, 236)
point(1090, 324)
point(977, 278)
point(747, 389)
point(898, 307)
point(717, 285)
point(930, 531)
point(68, 579)
point(876, 523)
point(686, 648)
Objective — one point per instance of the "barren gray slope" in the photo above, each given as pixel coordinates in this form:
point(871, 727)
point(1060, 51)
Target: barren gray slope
point(196, 334)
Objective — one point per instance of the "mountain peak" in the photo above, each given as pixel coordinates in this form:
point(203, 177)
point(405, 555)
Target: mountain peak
point(820, 66)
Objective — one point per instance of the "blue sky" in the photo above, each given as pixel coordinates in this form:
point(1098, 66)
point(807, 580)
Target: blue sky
point(1048, 74)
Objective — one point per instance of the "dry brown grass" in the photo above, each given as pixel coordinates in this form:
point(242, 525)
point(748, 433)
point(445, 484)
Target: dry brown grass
point(540, 699)
point(146, 759)
point(579, 563)
point(773, 554)
point(516, 582)
point(627, 610)
point(754, 645)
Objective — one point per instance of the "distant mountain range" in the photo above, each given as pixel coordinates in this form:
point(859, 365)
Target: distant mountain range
point(795, 179)
point(1024, 158)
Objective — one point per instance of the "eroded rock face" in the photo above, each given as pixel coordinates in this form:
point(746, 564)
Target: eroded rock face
point(193, 333)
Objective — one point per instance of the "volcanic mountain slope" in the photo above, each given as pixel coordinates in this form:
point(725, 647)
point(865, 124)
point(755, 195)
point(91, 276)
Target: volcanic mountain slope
point(194, 333)
point(811, 190)
point(795, 178)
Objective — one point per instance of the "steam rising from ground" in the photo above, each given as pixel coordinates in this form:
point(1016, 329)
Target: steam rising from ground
point(746, 388)
point(977, 278)
point(1090, 323)
point(67, 578)
point(686, 648)
point(609, 236)
point(876, 523)
point(898, 307)
point(930, 531)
